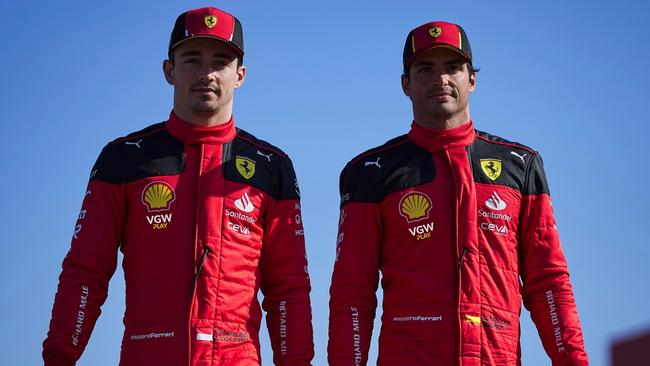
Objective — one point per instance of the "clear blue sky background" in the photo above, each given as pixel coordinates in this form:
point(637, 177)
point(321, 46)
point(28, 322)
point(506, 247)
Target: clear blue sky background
point(569, 78)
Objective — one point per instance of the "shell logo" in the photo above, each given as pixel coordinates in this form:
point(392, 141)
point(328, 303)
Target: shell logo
point(415, 206)
point(158, 196)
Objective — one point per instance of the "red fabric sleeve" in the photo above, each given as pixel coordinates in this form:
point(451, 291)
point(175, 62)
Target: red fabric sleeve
point(285, 285)
point(87, 269)
point(355, 279)
point(547, 291)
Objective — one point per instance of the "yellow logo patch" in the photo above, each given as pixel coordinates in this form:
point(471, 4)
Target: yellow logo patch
point(158, 196)
point(491, 168)
point(210, 21)
point(245, 166)
point(435, 32)
point(415, 206)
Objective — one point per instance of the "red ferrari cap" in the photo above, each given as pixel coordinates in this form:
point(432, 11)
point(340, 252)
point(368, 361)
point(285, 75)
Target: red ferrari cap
point(436, 34)
point(208, 22)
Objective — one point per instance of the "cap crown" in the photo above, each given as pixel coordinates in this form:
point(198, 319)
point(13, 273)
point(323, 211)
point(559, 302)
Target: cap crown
point(436, 34)
point(208, 22)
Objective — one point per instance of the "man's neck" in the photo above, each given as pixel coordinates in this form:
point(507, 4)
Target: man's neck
point(205, 119)
point(442, 122)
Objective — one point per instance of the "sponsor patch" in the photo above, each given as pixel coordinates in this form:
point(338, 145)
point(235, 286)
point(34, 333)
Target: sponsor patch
point(244, 203)
point(210, 21)
point(435, 32)
point(491, 168)
point(245, 166)
point(415, 206)
point(495, 202)
point(158, 197)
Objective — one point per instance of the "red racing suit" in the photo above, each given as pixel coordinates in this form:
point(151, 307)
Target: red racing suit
point(205, 217)
point(460, 225)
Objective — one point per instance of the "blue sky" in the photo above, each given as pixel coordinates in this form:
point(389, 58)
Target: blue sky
point(566, 78)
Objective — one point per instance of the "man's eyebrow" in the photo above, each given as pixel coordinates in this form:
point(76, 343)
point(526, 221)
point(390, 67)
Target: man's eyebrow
point(455, 62)
point(190, 53)
point(224, 55)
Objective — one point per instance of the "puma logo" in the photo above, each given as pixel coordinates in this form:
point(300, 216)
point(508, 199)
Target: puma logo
point(264, 155)
point(519, 156)
point(369, 163)
point(133, 143)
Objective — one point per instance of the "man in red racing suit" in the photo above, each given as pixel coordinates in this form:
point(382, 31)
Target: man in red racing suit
point(205, 214)
point(460, 224)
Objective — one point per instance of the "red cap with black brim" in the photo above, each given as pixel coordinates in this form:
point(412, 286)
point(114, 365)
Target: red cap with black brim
point(436, 34)
point(211, 23)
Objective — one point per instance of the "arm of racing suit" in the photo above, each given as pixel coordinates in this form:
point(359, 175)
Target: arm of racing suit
point(547, 291)
point(87, 269)
point(285, 280)
point(356, 272)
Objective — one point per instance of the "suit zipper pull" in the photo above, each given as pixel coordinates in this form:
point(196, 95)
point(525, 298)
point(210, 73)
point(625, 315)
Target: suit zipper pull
point(460, 261)
point(203, 256)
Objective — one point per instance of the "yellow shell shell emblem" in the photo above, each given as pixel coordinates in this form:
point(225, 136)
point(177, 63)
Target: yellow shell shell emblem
point(435, 32)
point(245, 166)
point(158, 196)
point(210, 21)
point(492, 168)
point(415, 206)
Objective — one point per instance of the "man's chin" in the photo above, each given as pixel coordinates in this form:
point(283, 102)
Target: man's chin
point(204, 108)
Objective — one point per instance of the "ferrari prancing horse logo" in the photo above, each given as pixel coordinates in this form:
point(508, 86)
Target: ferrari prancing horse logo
point(245, 166)
point(210, 21)
point(435, 32)
point(491, 168)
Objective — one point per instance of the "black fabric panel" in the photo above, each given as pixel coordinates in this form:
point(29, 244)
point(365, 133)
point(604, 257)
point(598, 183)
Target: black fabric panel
point(354, 186)
point(402, 165)
point(139, 155)
point(285, 183)
point(536, 183)
point(513, 169)
point(274, 172)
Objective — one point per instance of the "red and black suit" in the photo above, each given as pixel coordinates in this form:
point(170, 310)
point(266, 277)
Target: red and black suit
point(460, 225)
point(205, 217)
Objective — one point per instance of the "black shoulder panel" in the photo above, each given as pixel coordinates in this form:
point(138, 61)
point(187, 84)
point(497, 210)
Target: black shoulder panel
point(149, 152)
point(536, 183)
point(396, 165)
point(257, 163)
point(499, 161)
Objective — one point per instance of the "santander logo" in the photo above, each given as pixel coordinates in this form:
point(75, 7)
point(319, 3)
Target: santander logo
point(496, 203)
point(244, 203)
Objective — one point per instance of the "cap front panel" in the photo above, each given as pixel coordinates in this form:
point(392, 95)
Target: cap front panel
point(436, 33)
point(209, 22)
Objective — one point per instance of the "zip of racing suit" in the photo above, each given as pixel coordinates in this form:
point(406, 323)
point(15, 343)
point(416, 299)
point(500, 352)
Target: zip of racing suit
point(454, 220)
point(205, 216)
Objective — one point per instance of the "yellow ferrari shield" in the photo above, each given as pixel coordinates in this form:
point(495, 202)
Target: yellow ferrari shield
point(491, 168)
point(435, 32)
point(210, 21)
point(245, 166)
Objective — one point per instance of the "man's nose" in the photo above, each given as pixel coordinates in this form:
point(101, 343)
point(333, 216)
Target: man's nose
point(440, 78)
point(207, 73)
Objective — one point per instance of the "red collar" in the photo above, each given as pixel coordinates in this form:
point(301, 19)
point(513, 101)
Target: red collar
point(191, 134)
point(435, 140)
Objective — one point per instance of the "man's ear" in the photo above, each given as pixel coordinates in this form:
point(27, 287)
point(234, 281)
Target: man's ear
point(241, 76)
point(472, 81)
point(168, 70)
point(406, 87)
